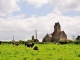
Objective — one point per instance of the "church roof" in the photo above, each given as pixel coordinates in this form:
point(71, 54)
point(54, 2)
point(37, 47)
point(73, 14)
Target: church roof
point(49, 35)
point(57, 33)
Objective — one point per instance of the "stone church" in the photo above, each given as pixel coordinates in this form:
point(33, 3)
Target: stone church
point(56, 36)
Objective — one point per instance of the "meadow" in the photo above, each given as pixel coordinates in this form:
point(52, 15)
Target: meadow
point(46, 52)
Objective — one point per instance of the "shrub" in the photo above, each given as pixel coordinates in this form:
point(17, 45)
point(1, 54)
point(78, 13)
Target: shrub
point(63, 42)
point(77, 42)
point(33, 37)
point(30, 40)
point(21, 41)
point(69, 41)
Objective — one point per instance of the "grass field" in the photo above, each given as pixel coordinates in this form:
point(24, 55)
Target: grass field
point(45, 52)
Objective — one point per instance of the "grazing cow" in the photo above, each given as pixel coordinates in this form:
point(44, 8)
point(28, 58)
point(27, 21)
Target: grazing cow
point(15, 43)
point(0, 42)
point(29, 44)
point(36, 48)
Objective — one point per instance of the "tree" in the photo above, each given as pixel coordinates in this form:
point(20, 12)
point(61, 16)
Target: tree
point(33, 37)
point(21, 41)
point(30, 40)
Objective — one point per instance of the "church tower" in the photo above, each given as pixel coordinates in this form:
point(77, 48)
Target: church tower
point(57, 35)
point(57, 27)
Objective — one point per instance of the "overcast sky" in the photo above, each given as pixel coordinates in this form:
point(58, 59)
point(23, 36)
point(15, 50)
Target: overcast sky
point(22, 17)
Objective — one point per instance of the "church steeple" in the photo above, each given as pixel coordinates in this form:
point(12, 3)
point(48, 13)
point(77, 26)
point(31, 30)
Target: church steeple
point(57, 27)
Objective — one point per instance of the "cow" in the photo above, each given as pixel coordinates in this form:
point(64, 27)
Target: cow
point(15, 43)
point(29, 44)
point(0, 42)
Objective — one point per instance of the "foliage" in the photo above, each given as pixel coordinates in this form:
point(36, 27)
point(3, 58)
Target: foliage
point(33, 37)
point(66, 42)
point(77, 41)
point(63, 42)
point(21, 41)
point(70, 41)
point(30, 40)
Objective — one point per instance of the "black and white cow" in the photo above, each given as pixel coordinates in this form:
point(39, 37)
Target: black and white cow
point(29, 44)
point(0, 42)
point(15, 43)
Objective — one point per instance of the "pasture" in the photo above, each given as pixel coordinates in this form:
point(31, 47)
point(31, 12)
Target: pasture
point(46, 52)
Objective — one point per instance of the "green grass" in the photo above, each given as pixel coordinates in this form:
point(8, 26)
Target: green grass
point(45, 52)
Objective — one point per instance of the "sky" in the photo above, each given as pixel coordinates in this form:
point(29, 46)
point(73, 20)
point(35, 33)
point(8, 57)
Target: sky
point(22, 17)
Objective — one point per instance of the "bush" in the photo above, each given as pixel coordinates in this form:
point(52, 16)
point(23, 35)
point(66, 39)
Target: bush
point(77, 42)
point(30, 40)
point(69, 41)
point(21, 41)
point(33, 37)
point(63, 42)
point(66, 42)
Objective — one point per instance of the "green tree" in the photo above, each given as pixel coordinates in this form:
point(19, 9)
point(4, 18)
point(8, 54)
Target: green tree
point(21, 41)
point(33, 37)
point(30, 40)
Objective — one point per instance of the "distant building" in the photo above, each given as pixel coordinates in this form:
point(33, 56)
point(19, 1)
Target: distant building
point(47, 38)
point(36, 40)
point(56, 36)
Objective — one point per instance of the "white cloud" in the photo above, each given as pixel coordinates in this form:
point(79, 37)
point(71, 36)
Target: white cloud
point(62, 5)
point(24, 28)
point(37, 3)
point(8, 6)
point(66, 5)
